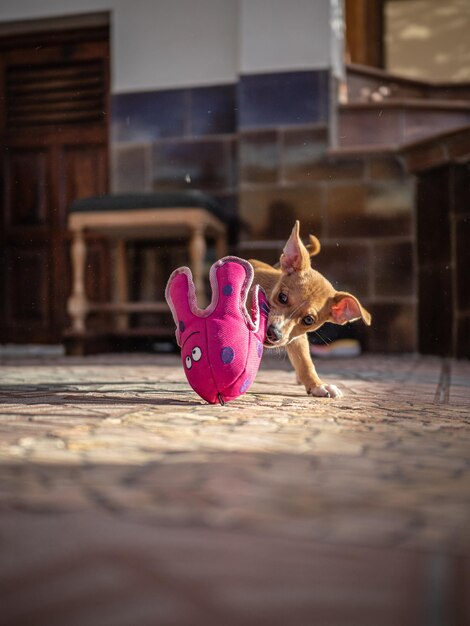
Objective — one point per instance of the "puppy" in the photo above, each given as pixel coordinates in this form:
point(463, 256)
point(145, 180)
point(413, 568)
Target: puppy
point(301, 300)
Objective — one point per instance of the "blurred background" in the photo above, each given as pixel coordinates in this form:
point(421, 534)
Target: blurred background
point(353, 117)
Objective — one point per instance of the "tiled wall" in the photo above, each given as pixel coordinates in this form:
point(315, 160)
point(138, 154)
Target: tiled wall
point(188, 138)
point(260, 148)
point(176, 139)
point(361, 209)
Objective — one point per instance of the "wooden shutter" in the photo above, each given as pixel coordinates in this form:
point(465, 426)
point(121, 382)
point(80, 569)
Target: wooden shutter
point(55, 93)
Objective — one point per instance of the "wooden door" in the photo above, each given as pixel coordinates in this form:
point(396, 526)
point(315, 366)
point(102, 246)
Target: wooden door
point(54, 137)
point(442, 204)
point(365, 32)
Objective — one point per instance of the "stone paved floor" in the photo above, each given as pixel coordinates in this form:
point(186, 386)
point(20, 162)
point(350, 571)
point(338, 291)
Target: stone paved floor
point(124, 500)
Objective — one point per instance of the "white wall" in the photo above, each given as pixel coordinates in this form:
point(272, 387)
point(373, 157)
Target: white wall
point(175, 43)
point(158, 44)
point(278, 35)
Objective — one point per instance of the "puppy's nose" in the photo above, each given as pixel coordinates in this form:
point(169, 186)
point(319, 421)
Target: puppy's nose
point(273, 333)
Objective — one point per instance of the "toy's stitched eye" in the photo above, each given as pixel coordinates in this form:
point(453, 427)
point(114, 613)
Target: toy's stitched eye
point(282, 297)
point(196, 353)
point(308, 320)
point(188, 362)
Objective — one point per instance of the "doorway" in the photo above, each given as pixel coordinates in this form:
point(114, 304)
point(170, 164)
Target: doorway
point(416, 39)
point(54, 136)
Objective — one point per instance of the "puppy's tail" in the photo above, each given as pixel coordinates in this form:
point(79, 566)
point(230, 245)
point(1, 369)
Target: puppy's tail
point(313, 245)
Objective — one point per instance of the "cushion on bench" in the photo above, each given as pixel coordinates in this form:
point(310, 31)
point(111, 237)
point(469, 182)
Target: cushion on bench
point(157, 200)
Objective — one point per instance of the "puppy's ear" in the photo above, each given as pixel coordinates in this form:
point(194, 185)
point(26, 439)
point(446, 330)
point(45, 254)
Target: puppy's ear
point(347, 308)
point(295, 256)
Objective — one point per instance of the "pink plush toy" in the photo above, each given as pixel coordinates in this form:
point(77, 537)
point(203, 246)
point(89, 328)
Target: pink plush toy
point(221, 346)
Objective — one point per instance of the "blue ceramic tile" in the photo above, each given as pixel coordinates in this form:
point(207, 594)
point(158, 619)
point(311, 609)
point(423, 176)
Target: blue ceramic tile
point(283, 98)
point(149, 115)
point(213, 110)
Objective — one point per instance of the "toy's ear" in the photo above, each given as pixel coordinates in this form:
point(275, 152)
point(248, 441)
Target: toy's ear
point(295, 256)
point(230, 280)
point(179, 294)
point(347, 308)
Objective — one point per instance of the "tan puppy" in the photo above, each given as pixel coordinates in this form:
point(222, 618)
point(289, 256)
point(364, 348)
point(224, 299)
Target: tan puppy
point(301, 300)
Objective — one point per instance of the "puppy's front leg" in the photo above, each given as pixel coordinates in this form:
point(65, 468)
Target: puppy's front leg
point(299, 355)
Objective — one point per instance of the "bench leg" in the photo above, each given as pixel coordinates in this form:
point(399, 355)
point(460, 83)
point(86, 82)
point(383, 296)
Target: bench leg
point(77, 304)
point(197, 253)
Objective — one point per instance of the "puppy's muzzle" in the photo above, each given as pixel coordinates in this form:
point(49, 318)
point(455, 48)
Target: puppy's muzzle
point(273, 334)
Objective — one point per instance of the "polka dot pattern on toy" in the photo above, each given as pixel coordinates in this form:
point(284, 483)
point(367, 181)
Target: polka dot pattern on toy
point(227, 354)
point(227, 290)
point(245, 385)
point(182, 326)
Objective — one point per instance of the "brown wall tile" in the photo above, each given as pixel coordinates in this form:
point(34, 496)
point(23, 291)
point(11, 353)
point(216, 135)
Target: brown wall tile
point(385, 168)
point(269, 255)
point(228, 202)
point(329, 170)
point(425, 157)
point(259, 157)
point(271, 212)
point(392, 329)
point(302, 150)
point(346, 265)
point(369, 126)
point(422, 123)
point(131, 168)
point(315, 137)
point(342, 264)
point(375, 209)
point(184, 164)
point(393, 269)
point(458, 146)
point(345, 204)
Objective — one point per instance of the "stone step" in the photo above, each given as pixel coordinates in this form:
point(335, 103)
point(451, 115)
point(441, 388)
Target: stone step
point(394, 122)
point(442, 148)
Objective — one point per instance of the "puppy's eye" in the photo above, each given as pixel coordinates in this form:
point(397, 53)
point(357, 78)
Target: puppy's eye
point(282, 297)
point(196, 353)
point(308, 320)
point(188, 362)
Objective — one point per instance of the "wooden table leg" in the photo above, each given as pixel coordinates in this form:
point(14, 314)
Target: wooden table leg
point(77, 304)
point(197, 253)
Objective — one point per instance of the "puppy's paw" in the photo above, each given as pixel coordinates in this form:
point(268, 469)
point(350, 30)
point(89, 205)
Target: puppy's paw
point(325, 391)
